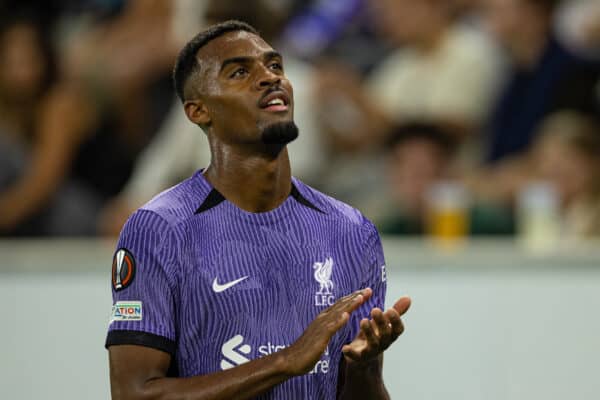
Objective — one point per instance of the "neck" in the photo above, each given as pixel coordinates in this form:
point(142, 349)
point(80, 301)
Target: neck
point(253, 182)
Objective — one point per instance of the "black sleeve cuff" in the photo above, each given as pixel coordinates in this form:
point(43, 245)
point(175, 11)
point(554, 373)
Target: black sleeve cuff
point(139, 338)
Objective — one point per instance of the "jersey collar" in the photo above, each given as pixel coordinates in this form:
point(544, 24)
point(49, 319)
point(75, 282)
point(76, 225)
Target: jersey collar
point(214, 198)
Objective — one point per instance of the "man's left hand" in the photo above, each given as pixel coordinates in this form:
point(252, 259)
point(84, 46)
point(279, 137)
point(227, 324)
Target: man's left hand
point(376, 334)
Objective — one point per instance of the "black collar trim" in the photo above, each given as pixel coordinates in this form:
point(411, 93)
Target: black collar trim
point(215, 198)
point(295, 193)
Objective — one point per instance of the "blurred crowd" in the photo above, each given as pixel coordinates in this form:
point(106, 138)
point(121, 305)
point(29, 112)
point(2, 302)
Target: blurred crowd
point(447, 117)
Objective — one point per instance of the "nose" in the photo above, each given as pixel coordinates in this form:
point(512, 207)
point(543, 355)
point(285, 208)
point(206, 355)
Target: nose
point(267, 79)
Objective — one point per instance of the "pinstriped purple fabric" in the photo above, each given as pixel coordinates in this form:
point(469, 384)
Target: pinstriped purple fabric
point(224, 286)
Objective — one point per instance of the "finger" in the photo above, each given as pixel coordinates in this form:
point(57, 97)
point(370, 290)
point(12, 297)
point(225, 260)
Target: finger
point(367, 293)
point(384, 328)
point(397, 327)
point(402, 305)
point(368, 329)
point(334, 315)
point(352, 301)
point(344, 302)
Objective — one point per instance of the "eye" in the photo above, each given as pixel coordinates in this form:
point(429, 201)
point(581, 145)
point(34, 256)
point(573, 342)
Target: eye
point(277, 66)
point(239, 72)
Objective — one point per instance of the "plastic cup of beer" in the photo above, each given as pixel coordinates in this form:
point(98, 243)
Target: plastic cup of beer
point(447, 220)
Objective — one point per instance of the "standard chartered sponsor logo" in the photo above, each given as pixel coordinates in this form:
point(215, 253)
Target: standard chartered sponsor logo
point(235, 352)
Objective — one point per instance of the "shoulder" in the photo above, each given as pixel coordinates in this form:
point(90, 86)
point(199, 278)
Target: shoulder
point(168, 210)
point(336, 209)
point(178, 203)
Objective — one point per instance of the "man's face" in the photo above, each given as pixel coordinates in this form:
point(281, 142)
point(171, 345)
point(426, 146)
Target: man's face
point(244, 88)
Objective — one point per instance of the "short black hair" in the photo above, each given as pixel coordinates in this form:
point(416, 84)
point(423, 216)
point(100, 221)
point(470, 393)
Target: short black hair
point(187, 64)
point(429, 131)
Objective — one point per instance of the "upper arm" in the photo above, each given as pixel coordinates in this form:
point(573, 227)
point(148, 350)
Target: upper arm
point(144, 294)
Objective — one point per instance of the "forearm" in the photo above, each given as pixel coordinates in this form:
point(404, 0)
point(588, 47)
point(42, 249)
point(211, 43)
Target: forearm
point(63, 118)
point(242, 382)
point(32, 191)
point(364, 381)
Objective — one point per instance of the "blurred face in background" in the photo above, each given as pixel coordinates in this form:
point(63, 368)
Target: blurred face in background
point(571, 172)
point(514, 22)
point(404, 22)
point(268, 17)
point(22, 69)
point(414, 165)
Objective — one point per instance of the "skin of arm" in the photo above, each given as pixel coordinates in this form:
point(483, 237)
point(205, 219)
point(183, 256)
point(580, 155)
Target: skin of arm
point(59, 133)
point(139, 373)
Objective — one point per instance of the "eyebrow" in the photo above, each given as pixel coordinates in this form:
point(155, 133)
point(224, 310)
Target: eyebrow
point(269, 55)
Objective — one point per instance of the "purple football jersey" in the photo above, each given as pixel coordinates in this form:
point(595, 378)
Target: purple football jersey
point(216, 286)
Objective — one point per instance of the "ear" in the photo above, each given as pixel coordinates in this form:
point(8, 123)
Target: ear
point(197, 112)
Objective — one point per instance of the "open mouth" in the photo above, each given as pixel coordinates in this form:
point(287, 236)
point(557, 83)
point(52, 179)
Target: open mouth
point(276, 101)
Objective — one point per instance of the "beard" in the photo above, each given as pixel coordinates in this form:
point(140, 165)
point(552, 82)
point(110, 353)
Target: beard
point(280, 133)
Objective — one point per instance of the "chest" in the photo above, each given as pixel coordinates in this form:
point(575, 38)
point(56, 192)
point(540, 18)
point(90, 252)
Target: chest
point(270, 283)
point(258, 293)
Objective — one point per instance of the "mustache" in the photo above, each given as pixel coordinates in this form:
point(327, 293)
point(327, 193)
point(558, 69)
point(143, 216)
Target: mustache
point(276, 87)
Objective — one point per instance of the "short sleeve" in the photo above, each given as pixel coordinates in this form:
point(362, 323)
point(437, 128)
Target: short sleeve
point(143, 284)
point(374, 276)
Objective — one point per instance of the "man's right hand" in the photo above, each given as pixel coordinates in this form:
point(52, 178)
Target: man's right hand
point(138, 372)
point(302, 356)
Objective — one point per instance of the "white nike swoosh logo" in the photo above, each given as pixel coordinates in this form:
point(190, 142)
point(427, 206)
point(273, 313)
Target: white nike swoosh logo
point(219, 288)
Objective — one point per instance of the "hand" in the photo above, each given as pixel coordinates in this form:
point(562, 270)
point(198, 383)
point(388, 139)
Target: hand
point(302, 356)
point(376, 334)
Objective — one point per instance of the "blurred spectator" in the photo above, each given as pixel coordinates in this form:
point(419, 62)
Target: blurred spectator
point(420, 157)
point(181, 147)
point(91, 124)
point(567, 155)
point(338, 29)
point(578, 26)
point(323, 22)
point(545, 76)
point(464, 8)
point(26, 76)
point(118, 62)
point(440, 72)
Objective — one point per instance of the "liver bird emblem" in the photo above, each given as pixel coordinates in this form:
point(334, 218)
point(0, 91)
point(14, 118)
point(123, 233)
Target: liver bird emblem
point(323, 275)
